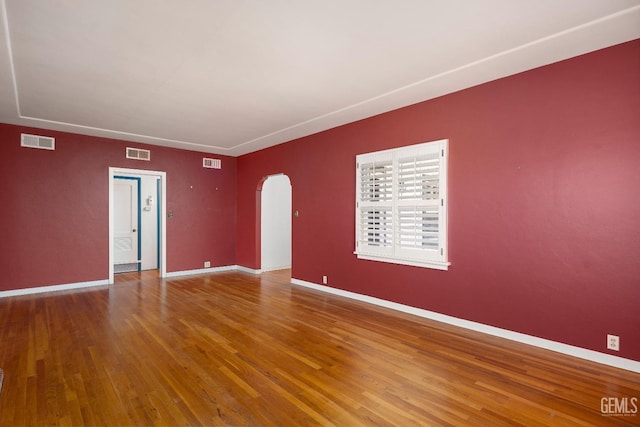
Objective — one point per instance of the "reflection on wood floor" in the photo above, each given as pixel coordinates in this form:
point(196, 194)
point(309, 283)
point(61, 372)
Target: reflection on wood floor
point(236, 349)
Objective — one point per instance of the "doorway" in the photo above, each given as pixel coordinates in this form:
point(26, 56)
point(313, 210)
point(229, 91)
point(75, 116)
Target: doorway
point(275, 229)
point(148, 220)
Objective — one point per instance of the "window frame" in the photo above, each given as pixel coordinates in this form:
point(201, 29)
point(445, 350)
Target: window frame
point(425, 202)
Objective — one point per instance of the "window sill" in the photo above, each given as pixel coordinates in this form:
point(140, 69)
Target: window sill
point(437, 265)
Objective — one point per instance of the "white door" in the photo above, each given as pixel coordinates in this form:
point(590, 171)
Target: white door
point(125, 221)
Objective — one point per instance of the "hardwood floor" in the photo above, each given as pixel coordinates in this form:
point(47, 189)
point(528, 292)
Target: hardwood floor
point(237, 349)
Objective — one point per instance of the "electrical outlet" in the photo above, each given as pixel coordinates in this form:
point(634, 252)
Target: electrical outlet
point(324, 280)
point(613, 342)
point(207, 264)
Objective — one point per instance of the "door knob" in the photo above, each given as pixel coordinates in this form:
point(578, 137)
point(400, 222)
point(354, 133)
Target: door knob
point(134, 230)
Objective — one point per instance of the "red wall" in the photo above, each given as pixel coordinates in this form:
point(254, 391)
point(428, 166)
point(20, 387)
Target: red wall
point(55, 222)
point(544, 202)
point(544, 207)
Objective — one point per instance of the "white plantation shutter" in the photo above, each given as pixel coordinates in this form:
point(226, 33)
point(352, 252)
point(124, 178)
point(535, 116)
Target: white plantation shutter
point(375, 205)
point(419, 177)
point(377, 227)
point(401, 205)
point(418, 228)
point(418, 205)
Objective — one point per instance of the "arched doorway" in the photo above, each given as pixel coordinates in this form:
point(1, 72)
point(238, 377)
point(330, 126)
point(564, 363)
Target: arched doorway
point(275, 219)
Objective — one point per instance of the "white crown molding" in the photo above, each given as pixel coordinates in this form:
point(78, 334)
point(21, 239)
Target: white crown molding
point(607, 31)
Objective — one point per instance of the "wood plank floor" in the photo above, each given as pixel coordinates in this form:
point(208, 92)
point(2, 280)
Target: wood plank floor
point(236, 349)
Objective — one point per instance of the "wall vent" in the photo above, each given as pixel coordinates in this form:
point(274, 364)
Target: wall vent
point(138, 154)
point(36, 141)
point(211, 163)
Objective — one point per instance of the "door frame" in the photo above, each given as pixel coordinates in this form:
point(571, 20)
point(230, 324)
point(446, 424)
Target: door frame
point(162, 205)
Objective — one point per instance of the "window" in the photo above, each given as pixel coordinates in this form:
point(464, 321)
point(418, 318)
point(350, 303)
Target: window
point(401, 205)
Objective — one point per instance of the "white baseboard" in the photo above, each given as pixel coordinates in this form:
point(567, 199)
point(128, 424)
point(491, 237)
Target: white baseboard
point(247, 270)
point(201, 271)
point(80, 285)
point(282, 267)
point(53, 288)
point(212, 270)
point(582, 353)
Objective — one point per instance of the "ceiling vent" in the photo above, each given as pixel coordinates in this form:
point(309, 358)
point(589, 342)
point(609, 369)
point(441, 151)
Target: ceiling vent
point(211, 163)
point(36, 141)
point(138, 154)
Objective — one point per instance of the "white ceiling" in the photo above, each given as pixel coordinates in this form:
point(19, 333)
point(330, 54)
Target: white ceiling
point(234, 76)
